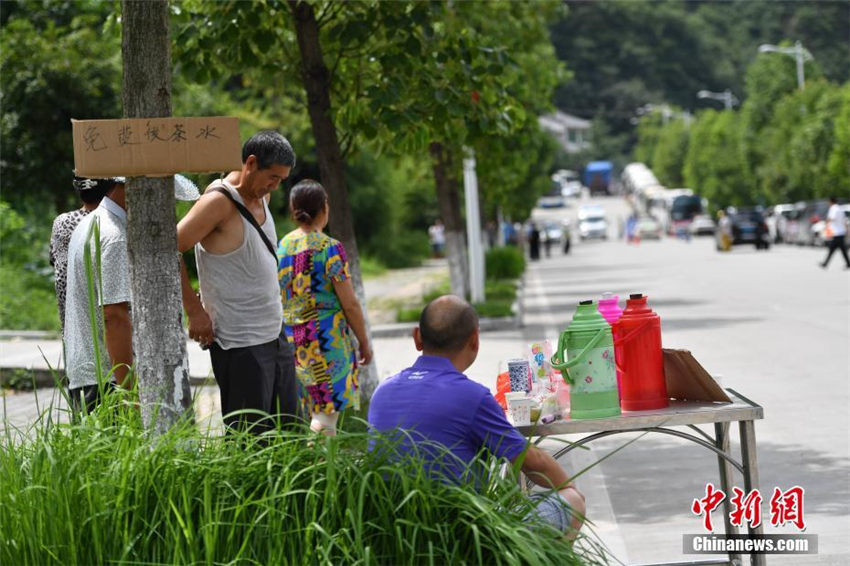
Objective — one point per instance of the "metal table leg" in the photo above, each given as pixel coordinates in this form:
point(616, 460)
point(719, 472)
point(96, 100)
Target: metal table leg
point(721, 440)
point(751, 476)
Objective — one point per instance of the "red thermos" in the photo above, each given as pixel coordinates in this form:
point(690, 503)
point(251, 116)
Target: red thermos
point(637, 344)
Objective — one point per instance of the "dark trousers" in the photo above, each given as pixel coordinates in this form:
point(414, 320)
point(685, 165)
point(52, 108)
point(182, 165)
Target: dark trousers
point(257, 379)
point(837, 243)
point(88, 397)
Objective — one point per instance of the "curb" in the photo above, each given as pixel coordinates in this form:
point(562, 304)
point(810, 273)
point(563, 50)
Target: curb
point(29, 335)
point(48, 378)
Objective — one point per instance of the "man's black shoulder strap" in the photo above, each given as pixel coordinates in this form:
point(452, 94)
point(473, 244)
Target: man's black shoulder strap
point(248, 216)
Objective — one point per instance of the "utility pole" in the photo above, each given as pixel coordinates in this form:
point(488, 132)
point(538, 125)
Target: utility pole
point(798, 52)
point(473, 229)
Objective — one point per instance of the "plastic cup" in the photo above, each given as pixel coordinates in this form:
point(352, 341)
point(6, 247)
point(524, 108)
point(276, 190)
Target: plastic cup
point(519, 408)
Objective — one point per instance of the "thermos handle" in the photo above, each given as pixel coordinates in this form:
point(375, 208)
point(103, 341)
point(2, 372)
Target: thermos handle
point(630, 335)
point(555, 360)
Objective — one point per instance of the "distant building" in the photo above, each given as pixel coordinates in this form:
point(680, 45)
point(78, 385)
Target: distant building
point(572, 131)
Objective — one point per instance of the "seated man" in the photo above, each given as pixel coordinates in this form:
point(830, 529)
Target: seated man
point(435, 403)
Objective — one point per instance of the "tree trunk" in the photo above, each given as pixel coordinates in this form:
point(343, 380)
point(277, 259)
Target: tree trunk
point(317, 84)
point(448, 201)
point(159, 342)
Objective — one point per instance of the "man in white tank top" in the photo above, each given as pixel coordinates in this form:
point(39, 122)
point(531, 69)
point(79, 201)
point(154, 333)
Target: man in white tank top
point(238, 315)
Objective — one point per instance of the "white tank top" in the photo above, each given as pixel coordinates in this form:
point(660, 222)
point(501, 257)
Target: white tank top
point(239, 289)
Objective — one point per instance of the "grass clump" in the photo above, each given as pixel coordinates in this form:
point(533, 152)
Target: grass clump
point(371, 267)
point(504, 263)
point(103, 491)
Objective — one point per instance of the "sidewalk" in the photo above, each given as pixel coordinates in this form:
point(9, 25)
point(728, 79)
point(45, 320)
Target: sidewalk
point(401, 287)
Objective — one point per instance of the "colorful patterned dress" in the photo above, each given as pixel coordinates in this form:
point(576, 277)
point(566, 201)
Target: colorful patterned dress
point(314, 322)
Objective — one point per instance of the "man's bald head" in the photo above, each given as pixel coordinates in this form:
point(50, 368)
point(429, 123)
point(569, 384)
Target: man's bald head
point(446, 324)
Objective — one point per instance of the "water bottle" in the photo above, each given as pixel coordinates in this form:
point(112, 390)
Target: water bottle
point(585, 358)
point(610, 310)
point(637, 339)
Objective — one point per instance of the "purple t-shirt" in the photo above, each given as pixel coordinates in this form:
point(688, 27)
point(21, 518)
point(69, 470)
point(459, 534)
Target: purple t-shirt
point(436, 404)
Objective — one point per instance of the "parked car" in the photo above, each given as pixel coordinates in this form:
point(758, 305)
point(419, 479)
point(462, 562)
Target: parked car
point(702, 225)
point(571, 189)
point(818, 227)
point(748, 227)
point(648, 228)
point(814, 212)
point(592, 222)
point(791, 226)
point(551, 201)
point(783, 215)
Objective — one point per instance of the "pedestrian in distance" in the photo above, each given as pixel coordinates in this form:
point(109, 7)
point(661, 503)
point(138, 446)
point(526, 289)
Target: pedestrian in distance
point(91, 192)
point(835, 230)
point(432, 408)
point(534, 242)
point(437, 237)
point(320, 310)
point(547, 241)
point(632, 236)
point(724, 226)
point(238, 314)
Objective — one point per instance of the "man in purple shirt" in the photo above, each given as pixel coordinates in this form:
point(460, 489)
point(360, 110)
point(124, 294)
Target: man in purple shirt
point(435, 404)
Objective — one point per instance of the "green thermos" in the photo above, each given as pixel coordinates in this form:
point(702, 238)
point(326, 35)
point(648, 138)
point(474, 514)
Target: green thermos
point(585, 357)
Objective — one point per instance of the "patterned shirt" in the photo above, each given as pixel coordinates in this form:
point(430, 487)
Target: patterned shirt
point(309, 263)
point(63, 226)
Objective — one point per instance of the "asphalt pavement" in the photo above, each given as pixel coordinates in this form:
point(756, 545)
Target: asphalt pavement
point(771, 325)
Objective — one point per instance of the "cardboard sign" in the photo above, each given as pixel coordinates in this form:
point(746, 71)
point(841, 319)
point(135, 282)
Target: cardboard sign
point(156, 147)
point(687, 380)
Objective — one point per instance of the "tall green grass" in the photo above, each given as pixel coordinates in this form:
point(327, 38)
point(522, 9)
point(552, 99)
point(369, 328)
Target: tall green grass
point(103, 491)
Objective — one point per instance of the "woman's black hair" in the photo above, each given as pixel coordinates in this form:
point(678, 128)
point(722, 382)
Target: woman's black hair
point(306, 200)
point(92, 191)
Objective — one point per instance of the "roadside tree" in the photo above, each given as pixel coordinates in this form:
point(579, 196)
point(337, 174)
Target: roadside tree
point(714, 164)
point(159, 342)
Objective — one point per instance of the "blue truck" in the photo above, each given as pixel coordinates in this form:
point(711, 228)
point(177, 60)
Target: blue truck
point(597, 177)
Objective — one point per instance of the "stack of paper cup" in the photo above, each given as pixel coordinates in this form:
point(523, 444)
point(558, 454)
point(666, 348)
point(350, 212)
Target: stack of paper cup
point(519, 408)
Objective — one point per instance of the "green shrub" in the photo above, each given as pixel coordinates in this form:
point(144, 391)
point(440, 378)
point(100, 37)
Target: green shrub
point(503, 290)
point(494, 309)
point(103, 491)
point(409, 314)
point(406, 249)
point(371, 267)
point(25, 304)
point(504, 263)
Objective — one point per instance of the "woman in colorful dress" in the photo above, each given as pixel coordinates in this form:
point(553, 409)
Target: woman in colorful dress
point(320, 310)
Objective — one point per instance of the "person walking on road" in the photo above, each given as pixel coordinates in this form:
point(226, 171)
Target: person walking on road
point(724, 226)
point(836, 225)
point(320, 310)
point(238, 315)
point(533, 242)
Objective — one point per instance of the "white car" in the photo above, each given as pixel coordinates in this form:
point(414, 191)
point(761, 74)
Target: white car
point(701, 224)
point(818, 227)
point(592, 222)
point(571, 189)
